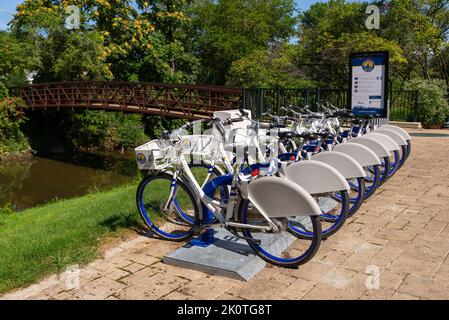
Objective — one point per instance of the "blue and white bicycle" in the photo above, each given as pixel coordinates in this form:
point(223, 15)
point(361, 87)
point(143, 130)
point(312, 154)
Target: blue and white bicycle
point(264, 211)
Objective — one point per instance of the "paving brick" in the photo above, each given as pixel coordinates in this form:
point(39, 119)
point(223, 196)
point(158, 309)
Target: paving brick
point(138, 276)
point(297, 289)
point(402, 296)
point(208, 287)
point(376, 294)
point(424, 288)
point(402, 230)
point(258, 289)
point(312, 271)
point(227, 296)
point(320, 292)
point(152, 288)
point(98, 289)
point(143, 259)
point(335, 258)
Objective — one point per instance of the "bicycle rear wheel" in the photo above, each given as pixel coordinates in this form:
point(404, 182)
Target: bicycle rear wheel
point(160, 199)
point(395, 161)
point(409, 148)
point(403, 156)
point(384, 170)
point(283, 248)
point(356, 195)
point(371, 179)
point(334, 207)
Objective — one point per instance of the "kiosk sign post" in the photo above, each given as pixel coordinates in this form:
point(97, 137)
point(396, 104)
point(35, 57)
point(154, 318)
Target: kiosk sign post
point(369, 83)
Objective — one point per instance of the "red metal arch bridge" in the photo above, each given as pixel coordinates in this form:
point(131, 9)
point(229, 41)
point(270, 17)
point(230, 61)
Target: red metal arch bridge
point(169, 100)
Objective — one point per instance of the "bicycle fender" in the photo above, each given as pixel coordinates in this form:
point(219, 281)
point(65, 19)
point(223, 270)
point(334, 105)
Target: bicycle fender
point(393, 135)
point(316, 177)
point(278, 197)
point(399, 130)
point(360, 153)
point(378, 148)
point(343, 163)
point(385, 140)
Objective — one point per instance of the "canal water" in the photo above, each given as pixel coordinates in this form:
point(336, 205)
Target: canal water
point(33, 181)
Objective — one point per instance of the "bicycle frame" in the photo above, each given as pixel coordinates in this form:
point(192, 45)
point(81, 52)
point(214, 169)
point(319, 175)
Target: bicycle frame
point(210, 205)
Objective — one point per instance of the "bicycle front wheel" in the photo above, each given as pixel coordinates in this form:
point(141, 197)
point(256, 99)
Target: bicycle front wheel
point(167, 206)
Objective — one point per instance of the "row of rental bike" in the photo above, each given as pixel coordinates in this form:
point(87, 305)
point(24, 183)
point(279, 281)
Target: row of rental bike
point(282, 183)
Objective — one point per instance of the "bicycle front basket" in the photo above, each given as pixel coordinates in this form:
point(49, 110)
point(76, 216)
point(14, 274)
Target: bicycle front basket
point(155, 155)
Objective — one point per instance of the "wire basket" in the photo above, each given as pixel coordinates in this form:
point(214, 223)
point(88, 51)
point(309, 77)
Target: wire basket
point(155, 155)
point(259, 145)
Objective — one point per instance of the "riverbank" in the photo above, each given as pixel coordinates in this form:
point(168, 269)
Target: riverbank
point(36, 180)
point(16, 156)
point(44, 240)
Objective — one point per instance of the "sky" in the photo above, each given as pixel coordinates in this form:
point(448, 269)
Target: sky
point(10, 7)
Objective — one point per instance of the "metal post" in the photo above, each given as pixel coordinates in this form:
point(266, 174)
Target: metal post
point(415, 107)
point(278, 100)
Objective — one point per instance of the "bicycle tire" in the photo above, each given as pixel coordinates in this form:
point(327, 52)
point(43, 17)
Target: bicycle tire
point(150, 222)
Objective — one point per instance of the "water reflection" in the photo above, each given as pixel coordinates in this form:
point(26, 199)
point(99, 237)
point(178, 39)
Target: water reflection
point(30, 182)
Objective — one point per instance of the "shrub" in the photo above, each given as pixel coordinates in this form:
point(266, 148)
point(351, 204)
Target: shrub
point(432, 102)
point(12, 140)
point(107, 130)
point(155, 125)
point(7, 209)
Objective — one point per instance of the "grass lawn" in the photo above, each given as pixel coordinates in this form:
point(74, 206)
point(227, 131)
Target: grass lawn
point(40, 241)
point(44, 240)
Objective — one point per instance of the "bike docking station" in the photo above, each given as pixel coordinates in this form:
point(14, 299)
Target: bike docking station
point(219, 252)
point(277, 215)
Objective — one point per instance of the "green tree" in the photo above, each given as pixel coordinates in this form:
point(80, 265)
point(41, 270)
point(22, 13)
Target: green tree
point(16, 58)
point(330, 31)
point(268, 69)
point(12, 140)
point(415, 33)
point(227, 31)
point(421, 30)
point(63, 54)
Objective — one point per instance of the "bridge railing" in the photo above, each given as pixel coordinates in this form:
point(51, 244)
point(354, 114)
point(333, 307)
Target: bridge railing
point(172, 100)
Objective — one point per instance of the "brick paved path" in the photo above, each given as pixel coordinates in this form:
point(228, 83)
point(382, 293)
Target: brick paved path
point(402, 232)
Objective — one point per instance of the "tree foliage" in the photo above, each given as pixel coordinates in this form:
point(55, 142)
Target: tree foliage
point(268, 69)
point(432, 100)
point(12, 140)
point(227, 31)
point(415, 33)
point(247, 43)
